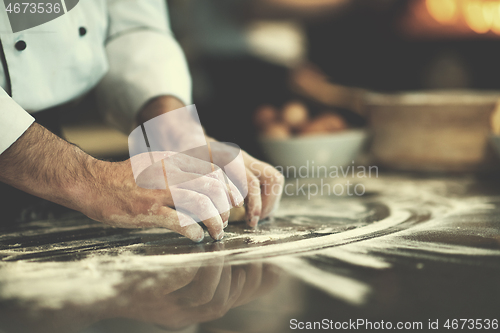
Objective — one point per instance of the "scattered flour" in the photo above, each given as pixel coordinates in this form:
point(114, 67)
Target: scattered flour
point(415, 206)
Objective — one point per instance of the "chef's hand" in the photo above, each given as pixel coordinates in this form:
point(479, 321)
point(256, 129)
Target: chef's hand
point(120, 200)
point(265, 183)
point(44, 165)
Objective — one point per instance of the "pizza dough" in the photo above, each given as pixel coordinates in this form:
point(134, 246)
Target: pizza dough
point(237, 214)
point(495, 120)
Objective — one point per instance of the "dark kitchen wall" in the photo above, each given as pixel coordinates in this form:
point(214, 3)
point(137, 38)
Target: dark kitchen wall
point(365, 47)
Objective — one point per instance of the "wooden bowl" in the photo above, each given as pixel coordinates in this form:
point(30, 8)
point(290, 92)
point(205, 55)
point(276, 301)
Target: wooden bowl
point(432, 131)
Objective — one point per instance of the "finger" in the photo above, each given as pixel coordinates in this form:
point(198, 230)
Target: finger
point(236, 195)
point(201, 206)
point(213, 189)
point(192, 168)
point(183, 224)
point(253, 200)
point(161, 217)
point(214, 185)
point(271, 183)
point(230, 158)
point(208, 185)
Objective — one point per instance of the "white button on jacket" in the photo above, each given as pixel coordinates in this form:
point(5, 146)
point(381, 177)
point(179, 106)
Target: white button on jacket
point(125, 51)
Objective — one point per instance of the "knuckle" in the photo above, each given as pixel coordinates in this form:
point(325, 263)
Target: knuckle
point(215, 188)
point(255, 187)
point(220, 187)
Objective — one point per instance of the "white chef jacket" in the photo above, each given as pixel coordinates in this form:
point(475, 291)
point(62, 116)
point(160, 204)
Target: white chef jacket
point(126, 52)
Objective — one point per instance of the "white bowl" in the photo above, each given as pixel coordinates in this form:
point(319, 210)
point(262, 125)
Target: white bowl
point(338, 149)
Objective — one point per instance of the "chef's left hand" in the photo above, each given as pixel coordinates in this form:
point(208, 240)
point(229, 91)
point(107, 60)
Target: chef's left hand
point(265, 183)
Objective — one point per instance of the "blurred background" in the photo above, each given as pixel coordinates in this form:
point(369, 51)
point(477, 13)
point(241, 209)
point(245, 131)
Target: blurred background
point(418, 77)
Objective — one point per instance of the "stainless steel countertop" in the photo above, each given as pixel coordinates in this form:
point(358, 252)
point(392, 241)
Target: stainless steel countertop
point(412, 248)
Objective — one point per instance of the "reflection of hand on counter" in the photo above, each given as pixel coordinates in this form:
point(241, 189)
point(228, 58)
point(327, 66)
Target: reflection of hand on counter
point(170, 297)
point(204, 294)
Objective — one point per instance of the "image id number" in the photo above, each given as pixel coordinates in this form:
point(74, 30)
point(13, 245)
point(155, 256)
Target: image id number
point(27, 7)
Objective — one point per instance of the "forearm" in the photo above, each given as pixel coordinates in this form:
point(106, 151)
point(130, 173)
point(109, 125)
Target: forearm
point(45, 165)
point(157, 106)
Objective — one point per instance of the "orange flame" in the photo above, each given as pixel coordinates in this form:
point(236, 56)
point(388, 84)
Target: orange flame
point(495, 27)
point(480, 16)
point(475, 18)
point(443, 11)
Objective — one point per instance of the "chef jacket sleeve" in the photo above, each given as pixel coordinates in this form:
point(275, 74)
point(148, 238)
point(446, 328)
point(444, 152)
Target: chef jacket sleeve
point(14, 121)
point(145, 61)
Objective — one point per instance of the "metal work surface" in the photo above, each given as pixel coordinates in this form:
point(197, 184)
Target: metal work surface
point(411, 250)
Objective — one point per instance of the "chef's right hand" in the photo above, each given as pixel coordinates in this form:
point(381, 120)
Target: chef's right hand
point(118, 199)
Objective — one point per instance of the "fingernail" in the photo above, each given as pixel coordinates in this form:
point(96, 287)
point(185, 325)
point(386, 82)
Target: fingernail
point(226, 224)
point(254, 221)
point(220, 235)
point(198, 239)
